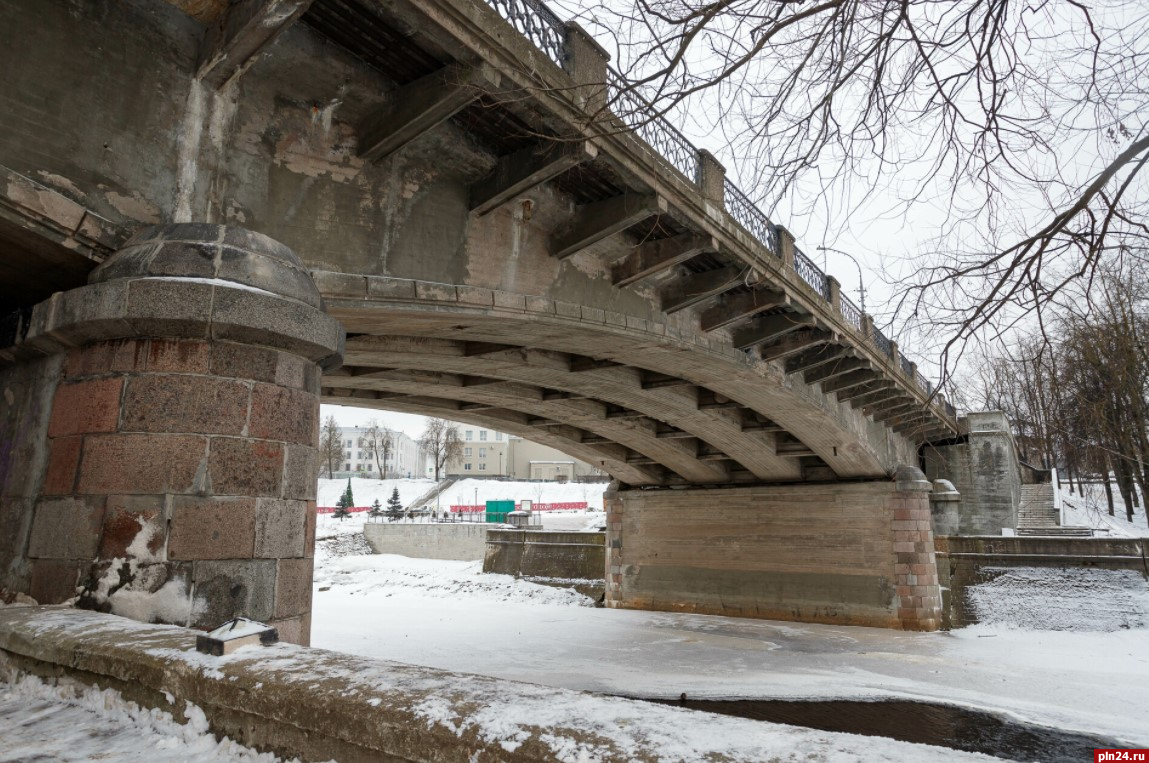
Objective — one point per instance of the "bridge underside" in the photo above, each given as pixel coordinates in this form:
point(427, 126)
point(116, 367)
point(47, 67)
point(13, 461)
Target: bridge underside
point(647, 408)
point(494, 254)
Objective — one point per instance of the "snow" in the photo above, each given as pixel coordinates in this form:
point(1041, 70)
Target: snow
point(1089, 508)
point(367, 491)
point(1058, 599)
point(74, 722)
point(393, 607)
point(576, 727)
point(389, 578)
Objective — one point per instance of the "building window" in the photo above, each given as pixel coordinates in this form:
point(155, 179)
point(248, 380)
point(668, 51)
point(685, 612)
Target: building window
point(347, 467)
point(482, 434)
point(482, 467)
point(466, 467)
point(498, 435)
point(467, 452)
point(482, 452)
point(468, 435)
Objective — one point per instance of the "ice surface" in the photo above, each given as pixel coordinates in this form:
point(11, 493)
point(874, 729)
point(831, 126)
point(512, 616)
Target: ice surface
point(393, 607)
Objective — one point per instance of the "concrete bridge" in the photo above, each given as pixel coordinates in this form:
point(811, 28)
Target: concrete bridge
point(460, 211)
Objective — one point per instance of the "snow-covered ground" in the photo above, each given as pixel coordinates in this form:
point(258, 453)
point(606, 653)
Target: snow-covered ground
point(448, 615)
point(366, 492)
point(1090, 508)
point(463, 492)
point(73, 722)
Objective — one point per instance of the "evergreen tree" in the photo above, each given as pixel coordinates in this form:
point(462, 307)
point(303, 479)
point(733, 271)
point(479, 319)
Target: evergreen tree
point(346, 501)
point(394, 506)
point(376, 510)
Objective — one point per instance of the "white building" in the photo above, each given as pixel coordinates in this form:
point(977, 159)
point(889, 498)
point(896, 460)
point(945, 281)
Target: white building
point(405, 458)
point(490, 453)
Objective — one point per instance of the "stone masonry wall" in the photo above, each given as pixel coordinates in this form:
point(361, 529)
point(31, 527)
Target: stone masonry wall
point(180, 483)
point(26, 393)
point(843, 553)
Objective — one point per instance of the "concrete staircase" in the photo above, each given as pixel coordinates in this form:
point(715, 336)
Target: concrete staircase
point(428, 498)
point(1036, 515)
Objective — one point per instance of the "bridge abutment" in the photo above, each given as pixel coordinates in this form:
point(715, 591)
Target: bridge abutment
point(846, 553)
point(161, 433)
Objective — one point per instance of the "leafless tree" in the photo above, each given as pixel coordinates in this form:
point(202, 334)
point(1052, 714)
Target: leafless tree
point(379, 442)
point(330, 445)
point(1024, 125)
point(442, 443)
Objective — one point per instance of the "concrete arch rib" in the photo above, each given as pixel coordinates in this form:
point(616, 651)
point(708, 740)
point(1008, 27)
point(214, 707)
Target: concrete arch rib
point(619, 385)
point(845, 440)
point(611, 458)
point(589, 415)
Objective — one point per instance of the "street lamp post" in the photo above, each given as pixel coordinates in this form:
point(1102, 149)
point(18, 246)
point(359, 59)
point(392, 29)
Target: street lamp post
point(861, 285)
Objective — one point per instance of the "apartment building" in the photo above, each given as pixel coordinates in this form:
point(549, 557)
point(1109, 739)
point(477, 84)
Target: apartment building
point(490, 453)
point(406, 458)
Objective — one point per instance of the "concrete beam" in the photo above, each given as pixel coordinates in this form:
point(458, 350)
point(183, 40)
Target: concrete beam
point(415, 108)
point(877, 385)
point(795, 342)
point(767, 328)
point(525, 169)
point(896, 410)
point(245, 30)
point(849, 381)
point(598, 220)
point(812, 358)
point(738, 307)
point(651, 257)
point(692, 289)
point(653, 380)
point(890, 392)
point(831, 370)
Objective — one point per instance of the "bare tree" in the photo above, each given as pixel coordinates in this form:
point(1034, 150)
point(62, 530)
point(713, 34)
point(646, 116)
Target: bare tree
point(442, 443)
point(330, 445)
point(1025, 127)
point(379, 442)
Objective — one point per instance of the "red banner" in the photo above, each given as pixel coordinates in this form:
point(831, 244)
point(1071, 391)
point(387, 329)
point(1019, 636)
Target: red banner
point(331, 509)
point(465, 509)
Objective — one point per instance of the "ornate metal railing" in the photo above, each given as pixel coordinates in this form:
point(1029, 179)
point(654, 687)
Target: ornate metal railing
point(668, 143)
point(537, 23)
point(850, 312)
point(879, 340)
point(751, 217)
point(811, 273)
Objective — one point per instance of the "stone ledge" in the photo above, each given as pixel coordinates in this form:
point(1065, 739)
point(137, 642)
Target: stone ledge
point(319, 705)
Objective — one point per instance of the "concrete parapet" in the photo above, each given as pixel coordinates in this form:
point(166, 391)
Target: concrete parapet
point(179, 458)
point(858, 553)
point(464, 542)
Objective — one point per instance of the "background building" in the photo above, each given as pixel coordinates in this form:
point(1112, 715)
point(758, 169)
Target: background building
point(490, 453)
point(406, 458)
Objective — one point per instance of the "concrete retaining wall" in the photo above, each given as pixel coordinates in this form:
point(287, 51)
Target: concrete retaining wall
point(967, 562)
point(463, 542)
point(538, 554)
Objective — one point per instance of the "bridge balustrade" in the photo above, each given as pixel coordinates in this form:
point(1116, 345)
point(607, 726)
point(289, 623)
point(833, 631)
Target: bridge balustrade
point(669, 147)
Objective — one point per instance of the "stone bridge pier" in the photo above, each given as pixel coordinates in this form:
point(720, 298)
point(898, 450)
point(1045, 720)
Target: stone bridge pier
point(160, 427)
point(847, 553)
